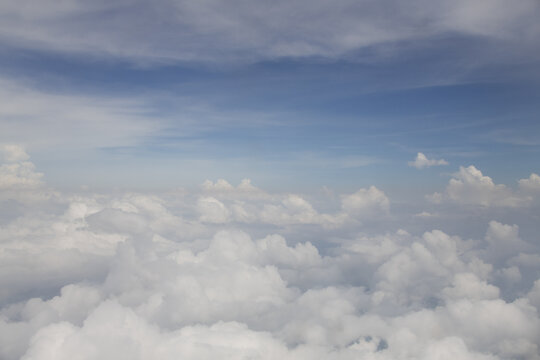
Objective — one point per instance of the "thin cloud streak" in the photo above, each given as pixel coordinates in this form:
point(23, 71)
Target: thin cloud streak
point(213, 32)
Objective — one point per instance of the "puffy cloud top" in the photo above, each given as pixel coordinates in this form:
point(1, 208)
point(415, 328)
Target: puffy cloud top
point(530, 184)
point(17, 172)
point(470, 186)
point(13, 153)
point(366, 202)
point(108, 276)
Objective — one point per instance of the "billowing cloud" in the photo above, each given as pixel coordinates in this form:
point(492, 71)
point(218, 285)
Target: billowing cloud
point(220, 185)
point(503, 241)
point(212, 210)
point(531, 184)
point(19, 175)
point(13, 153)
point(422, 161)
point(246, 203)
point(106, 276)
point(470, 187)
point(244, 190)
point(17, 172)
point(370, 201)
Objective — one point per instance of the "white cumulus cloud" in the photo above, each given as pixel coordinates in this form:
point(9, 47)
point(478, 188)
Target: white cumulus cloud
point(220, 275)
point(469, 186)
point(422, 161)
point(530, 184)
point(366, 202)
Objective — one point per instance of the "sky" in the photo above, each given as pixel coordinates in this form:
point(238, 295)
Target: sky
point(259, 180)
point(321, 94)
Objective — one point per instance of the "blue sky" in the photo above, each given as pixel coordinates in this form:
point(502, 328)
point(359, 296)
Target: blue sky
point(306, 96)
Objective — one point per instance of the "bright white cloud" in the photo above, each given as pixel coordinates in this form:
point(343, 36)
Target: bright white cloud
point(249, 204)
point(212, 210)
point(531, 184)
point(366, 202)
point(14, 153)
point(292, 209)
point(220, 185)
point(17, 173)
point(503, 241)
point(99, 276)
point(422, 161)
point(223, 189)
point(468, 285)
point(470, 187)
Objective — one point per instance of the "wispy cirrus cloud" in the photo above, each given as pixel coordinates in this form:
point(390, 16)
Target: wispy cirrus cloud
point(166, 31)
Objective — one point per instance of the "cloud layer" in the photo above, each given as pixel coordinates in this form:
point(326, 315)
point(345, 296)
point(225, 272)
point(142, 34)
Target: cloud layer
point(238, 31)
point(138, 276)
